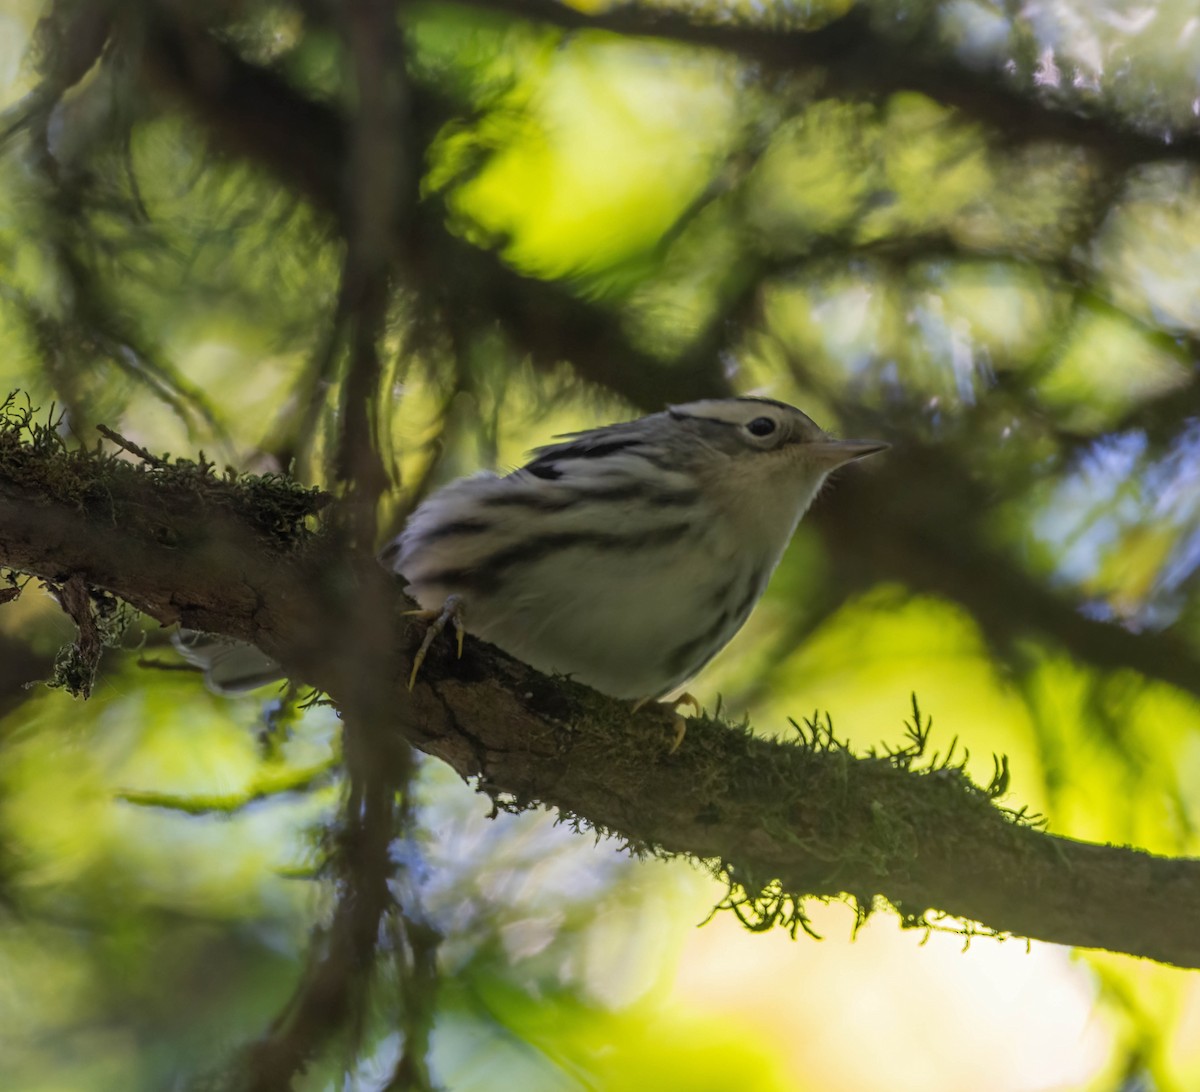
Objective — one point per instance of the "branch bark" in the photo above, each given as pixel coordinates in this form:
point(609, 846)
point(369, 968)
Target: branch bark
point(809, 815)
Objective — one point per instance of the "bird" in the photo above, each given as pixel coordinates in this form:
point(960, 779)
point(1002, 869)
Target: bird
point(625, 557)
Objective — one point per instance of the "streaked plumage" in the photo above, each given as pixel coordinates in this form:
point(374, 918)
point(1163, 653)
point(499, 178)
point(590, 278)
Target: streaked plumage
point(625, 556)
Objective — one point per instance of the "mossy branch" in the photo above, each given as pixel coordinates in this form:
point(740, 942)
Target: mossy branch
point(782, 821)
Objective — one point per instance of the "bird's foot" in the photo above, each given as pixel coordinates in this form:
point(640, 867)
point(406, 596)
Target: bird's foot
point(452, 611)
point(680, 720)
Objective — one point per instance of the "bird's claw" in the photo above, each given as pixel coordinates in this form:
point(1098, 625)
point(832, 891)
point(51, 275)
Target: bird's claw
point(452, 611)
point(680, 721)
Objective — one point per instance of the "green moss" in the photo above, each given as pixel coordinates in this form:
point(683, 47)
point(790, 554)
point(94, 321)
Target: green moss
point(105, 624)
point(875, 837)
point(35, 456)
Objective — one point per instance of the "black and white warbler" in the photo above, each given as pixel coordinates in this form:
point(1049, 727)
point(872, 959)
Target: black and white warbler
point(625, 557)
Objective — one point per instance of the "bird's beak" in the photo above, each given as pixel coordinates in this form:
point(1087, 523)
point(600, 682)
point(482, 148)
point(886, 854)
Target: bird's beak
point(836, 452)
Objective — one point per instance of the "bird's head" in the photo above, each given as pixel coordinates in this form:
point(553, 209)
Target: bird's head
point(765, 437)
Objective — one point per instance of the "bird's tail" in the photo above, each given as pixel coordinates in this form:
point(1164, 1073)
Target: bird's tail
point(230, 667)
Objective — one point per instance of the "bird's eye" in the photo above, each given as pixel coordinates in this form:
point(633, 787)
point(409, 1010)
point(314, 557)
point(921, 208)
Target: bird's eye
point(761, 426)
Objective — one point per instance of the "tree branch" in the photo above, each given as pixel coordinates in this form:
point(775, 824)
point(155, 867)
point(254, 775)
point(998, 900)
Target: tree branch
point(807, 814)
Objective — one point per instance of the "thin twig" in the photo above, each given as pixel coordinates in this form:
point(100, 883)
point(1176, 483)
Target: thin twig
point(130, 446)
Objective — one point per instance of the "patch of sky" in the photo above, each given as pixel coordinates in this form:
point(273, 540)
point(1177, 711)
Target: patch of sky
point(1116, 491)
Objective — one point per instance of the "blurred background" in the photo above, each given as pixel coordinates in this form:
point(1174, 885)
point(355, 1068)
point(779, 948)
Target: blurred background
point(970, 227)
